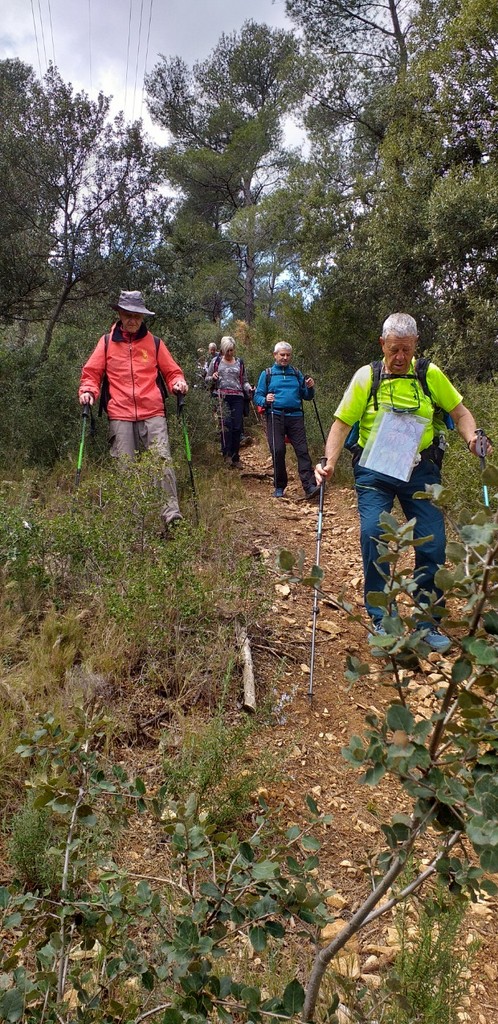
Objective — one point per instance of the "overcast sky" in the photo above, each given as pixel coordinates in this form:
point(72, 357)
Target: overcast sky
point(108, 44)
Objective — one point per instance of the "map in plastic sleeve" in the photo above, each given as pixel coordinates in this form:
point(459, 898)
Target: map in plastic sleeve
point(393, 443)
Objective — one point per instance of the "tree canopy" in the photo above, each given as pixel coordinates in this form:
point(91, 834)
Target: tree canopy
point(226, 120)
point(392, 204)
point(78, 200)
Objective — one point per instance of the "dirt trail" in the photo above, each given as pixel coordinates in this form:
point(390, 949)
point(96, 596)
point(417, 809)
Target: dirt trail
point(312, 733)
point(307, 735)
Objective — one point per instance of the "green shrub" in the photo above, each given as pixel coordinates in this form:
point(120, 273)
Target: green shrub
point(462, 471)
point(213, 762)
point(431, 970)
point(32, 852)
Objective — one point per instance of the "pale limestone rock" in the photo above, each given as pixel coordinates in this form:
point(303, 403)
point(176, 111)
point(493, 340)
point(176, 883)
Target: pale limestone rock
point(336, 901)
point(372, 981)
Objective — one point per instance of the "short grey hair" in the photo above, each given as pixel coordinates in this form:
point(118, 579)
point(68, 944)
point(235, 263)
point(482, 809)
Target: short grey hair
point(226, 343)
point(401, 324)
point(282, 346)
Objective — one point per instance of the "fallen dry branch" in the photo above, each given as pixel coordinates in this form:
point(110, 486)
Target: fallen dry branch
point(248, 672)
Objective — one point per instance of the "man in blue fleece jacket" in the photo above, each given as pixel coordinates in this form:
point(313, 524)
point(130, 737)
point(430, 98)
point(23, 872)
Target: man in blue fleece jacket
point(280, 392)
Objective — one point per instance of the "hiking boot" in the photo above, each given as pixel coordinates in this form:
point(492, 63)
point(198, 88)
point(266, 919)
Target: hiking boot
point(278, 492)
point(434, 639)
point(378, 630)
point(312, 493)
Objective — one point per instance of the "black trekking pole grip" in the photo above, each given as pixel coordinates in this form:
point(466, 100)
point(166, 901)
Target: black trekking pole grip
point(180, 402)
point(481, 450)
point(321, 486)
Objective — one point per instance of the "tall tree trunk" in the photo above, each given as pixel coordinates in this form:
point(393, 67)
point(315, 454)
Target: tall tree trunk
point(399, 36)
point(249, 286)
point(49, 331)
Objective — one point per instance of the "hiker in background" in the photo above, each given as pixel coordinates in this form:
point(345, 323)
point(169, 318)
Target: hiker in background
point(212, 352)
point(228, 378)
point(414, 408)
point(280, 392)
point(131, 366)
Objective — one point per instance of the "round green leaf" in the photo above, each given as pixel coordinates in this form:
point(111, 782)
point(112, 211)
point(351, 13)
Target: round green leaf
point(12, 1005)
point(293, 998)
point(257, 938)
point(400, 717)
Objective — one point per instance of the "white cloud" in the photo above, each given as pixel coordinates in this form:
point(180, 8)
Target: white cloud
point(102, 44)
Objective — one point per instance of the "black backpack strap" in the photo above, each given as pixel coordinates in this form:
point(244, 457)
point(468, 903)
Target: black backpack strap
point(160, 381)
point(104, 390)
point(421, 366)
point(376, 367)
point(268, 377)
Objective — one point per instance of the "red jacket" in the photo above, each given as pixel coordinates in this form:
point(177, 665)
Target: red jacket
point(131, 368)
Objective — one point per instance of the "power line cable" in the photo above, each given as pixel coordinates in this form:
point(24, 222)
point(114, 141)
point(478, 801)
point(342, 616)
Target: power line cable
point(138, 52)
point(127, 54)
point(42, 35)
point(36, 38)
point(146, 56)
point(51, 31)
point(90, 40)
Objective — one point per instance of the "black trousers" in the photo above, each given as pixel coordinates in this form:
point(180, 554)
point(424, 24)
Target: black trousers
point(278, 427)
point(231, 426)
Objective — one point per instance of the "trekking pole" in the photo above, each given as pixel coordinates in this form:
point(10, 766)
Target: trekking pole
point(319, 529)
point(273, 447)
point(481, 449)
point(85, 413)
point(180, 412)
point(319, 421)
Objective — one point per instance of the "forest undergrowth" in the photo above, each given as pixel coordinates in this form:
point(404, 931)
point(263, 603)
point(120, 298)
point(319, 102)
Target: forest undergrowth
point(114, 639)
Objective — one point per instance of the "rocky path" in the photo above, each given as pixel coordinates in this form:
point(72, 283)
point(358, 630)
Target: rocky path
point(311, 733)
point(306, 736)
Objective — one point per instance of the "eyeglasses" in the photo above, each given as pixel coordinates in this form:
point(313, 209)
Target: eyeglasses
point(416, 396)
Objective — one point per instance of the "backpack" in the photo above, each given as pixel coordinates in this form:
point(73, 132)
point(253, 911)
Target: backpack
point(105, 392)
point(421, 367)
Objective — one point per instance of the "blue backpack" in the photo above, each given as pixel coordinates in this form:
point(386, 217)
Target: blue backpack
point(421, 367)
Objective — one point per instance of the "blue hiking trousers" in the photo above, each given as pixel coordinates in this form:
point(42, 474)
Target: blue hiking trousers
point(376, 494)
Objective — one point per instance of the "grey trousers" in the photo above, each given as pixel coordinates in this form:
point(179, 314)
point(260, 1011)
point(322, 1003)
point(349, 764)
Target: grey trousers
point(127, 437)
